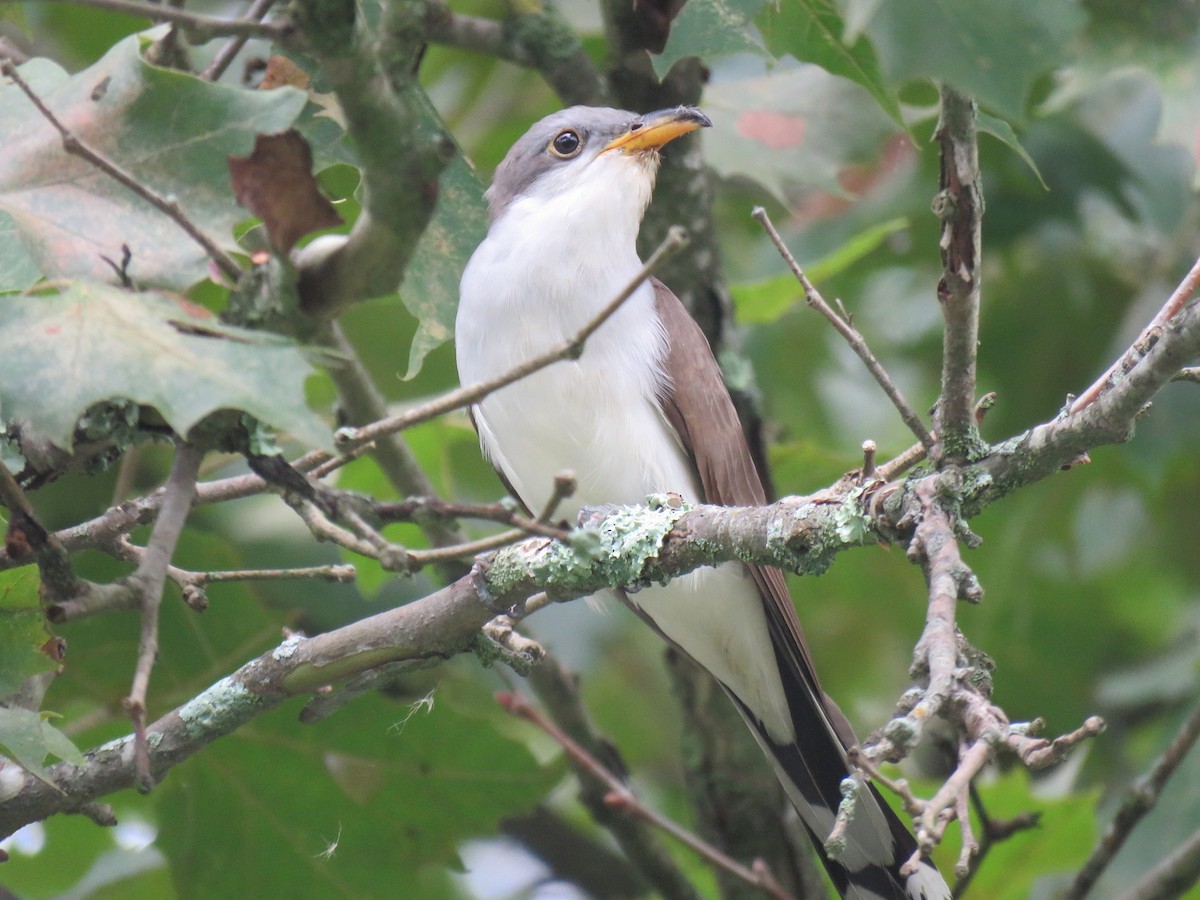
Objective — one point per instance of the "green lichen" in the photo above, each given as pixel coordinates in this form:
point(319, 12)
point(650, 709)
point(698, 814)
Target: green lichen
point(852, 523)
point(615, 551)
point(206, 713)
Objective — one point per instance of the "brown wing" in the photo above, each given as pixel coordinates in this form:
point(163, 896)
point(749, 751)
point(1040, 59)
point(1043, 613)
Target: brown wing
point(697, 404)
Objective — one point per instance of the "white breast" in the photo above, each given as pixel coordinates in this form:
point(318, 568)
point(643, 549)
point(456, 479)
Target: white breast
point(525, 290)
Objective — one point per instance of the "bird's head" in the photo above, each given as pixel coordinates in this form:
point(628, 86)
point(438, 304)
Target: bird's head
point(586, 152)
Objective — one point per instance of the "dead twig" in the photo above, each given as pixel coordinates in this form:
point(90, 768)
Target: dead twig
point(149, 579)
point(856, 341)
point(621, 797)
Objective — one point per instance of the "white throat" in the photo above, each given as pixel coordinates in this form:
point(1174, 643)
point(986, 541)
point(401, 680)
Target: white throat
point(549, 264)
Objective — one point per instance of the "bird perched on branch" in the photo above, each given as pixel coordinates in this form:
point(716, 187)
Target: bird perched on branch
point(644, 410)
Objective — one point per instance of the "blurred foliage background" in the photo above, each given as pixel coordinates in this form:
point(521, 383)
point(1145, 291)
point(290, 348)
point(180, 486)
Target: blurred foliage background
point(1092, 577)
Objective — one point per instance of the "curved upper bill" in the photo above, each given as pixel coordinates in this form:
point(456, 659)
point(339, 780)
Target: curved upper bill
point(653, 130)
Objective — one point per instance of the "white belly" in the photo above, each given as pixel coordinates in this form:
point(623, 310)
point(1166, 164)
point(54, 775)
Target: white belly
point(598, 416)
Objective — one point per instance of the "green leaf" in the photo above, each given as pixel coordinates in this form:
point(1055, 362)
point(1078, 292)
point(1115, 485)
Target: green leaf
point(797, 127)
point(28, 739)
point(430, 288)
point(352, 806)
point(853, 251)
point(72, 345)
point(1003, 132)
point(812, 31)
point(990, 49)
point(763, 302)
point(710, 28)
point(23, 631)
point(172, 131)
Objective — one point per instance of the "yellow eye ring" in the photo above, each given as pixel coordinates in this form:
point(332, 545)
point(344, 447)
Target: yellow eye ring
point(566, 144)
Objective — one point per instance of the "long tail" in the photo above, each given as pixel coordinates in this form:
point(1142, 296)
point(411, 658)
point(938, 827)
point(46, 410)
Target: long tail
point(877, 843)
point(813, 765)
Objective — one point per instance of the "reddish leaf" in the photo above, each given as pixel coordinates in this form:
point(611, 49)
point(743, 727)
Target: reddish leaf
point(276, 183)
point(776, 130)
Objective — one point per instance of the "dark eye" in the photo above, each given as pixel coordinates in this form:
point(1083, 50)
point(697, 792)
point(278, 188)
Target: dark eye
point(566, 144)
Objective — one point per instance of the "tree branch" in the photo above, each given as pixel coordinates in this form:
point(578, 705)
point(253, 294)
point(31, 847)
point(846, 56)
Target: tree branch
point(557, 690)
point(1175, 873)
point(199, 28)
point(959, 205)
point(539, 40)
point(620, 796)
point(402, 148)
point(149, 579)
point(1130, 358)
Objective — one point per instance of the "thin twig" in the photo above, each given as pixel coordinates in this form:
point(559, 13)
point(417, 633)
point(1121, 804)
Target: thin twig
point(170, 208)
point(675, 240)
point(868, 467)
point(416, 509)
point(620, 795)
point(902, 462)
point(994, 831)
point(418, 559)
point(360, 402)
point(1130, 358)
point(1191, 373)
point(340, 572)
point(150, 577)
point(193, 584)
point(198, 26)
point(856, 341)
point(1140, 799)
point(215, 69)
point(557, 690)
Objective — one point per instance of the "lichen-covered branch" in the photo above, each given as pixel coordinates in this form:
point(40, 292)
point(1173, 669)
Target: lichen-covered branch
point(402, 149)
point(440, 625)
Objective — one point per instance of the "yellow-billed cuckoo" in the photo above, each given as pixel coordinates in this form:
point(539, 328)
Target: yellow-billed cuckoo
point(644, 410)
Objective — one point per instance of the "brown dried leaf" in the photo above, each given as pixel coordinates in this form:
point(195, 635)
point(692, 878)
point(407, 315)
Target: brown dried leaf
point(281, 71)
point(276, 183)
